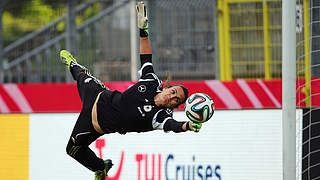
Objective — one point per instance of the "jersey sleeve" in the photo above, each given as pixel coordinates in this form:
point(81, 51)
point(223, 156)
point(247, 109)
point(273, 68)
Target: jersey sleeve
point(146, 66)
point(173, 125)
point(163, 120)
point(146, 71)
point(160, 118)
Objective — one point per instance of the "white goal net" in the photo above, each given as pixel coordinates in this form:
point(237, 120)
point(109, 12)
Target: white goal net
point(308, 88)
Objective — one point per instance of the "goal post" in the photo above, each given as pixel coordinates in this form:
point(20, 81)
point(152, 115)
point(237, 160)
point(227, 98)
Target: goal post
point(289, 89)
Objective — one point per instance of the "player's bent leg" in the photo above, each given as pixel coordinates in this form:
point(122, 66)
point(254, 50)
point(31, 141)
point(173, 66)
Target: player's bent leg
point(83, 134)
point(88, 87)
point(85, 156)
point(78, 70)
point(85, 78)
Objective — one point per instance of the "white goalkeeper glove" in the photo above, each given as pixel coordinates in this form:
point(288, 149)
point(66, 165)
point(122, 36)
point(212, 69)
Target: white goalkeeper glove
point(142, 16)
point(193, 126)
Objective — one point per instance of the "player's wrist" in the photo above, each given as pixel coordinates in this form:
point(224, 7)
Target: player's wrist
point(143, 33)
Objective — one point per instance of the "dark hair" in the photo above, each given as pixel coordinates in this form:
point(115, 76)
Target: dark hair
point(186, 93)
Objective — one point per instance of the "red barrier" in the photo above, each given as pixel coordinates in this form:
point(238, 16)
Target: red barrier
point(63, 97)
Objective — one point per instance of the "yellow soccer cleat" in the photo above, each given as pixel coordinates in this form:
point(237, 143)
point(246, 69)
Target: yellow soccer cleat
point(66, 58)
point(101, 175)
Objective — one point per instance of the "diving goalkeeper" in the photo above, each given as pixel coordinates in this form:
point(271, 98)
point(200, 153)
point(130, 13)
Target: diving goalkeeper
point(145, 106)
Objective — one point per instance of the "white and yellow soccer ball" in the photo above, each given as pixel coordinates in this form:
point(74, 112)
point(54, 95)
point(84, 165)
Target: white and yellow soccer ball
point(199, 107)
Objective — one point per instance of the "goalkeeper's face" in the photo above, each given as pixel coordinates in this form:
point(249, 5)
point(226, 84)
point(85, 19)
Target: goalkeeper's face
point(170, 97)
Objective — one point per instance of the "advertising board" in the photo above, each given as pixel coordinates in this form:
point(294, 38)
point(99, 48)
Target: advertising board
point(240, 144)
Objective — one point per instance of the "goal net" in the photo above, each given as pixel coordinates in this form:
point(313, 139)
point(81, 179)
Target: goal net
point(308, 88)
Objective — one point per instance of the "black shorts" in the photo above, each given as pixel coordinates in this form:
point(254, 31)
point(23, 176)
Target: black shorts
point(88, 88)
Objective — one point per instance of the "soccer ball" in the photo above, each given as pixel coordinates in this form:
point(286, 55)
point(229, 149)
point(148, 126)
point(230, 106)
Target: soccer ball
point(199, 107)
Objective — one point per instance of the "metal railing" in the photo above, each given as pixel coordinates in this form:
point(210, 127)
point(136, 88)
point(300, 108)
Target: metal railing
point(34, 58)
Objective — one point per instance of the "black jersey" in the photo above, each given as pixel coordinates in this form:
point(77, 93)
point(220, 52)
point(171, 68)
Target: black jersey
point(134, 110)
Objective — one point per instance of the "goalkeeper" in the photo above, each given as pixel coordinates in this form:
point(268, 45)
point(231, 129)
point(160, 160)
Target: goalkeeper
point(145, 106)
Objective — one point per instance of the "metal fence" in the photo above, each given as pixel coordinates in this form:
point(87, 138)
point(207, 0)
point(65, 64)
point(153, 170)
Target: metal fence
point(251, 32)
point(182, 35)
point(251, 36)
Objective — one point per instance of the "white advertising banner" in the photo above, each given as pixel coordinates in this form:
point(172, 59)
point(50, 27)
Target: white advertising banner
point(234, 145)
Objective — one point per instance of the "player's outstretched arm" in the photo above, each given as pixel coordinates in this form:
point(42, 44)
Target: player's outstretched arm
point(145, 47)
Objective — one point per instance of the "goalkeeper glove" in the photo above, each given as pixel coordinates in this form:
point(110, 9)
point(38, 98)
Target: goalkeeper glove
point(142, 16)
point(193, 126)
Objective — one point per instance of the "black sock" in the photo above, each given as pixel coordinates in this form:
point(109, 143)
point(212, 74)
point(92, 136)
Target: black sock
point(76, 70)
